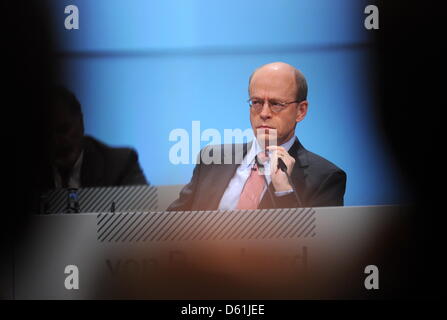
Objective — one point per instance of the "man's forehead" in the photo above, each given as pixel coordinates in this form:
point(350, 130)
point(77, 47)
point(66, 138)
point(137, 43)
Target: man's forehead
point(273, 76)
point(283, 82)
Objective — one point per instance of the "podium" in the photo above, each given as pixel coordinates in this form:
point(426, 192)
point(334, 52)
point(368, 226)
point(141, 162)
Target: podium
point(296, 253)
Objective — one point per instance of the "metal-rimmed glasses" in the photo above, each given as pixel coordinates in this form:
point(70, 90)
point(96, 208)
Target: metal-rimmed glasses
point(274, 105)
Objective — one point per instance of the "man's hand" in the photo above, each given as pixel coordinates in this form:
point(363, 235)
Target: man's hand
point(279, 178)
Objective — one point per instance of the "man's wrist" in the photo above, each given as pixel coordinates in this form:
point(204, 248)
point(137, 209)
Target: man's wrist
point(282, 186)
point(283, 193)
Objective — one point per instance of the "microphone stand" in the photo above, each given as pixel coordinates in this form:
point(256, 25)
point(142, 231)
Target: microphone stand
point(260, 165)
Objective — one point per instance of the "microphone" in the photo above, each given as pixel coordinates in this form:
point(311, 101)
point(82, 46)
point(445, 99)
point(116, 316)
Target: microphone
point(282, 166)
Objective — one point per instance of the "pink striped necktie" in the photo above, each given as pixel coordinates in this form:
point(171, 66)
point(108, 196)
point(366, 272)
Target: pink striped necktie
point(252, 191)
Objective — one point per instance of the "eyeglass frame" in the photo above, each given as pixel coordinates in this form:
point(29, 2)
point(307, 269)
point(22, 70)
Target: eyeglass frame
point(282, 105)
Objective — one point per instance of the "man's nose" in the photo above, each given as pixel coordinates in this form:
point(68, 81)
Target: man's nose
point(266, 112)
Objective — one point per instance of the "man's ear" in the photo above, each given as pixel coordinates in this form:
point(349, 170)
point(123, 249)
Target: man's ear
point(301, 110)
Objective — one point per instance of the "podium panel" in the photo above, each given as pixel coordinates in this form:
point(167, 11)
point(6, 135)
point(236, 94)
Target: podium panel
point(243, 254)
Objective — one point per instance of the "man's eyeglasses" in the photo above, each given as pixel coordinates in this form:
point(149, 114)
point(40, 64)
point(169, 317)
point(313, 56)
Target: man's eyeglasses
point(276, 106)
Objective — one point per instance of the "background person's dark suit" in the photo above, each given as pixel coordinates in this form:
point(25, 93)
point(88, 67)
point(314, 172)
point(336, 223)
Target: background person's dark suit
point(109, 166)
point(318, 182)
point(103, 165)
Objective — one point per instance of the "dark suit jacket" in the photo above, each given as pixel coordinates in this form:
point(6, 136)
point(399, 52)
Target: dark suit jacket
point(107, 166)
point(317, 181)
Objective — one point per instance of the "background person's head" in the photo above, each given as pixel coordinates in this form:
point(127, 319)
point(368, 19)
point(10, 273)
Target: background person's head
point(285, 89)
point(66, 128)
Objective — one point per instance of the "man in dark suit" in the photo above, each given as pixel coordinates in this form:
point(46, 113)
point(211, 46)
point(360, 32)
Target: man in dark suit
point(253, 177)
point(82, 161)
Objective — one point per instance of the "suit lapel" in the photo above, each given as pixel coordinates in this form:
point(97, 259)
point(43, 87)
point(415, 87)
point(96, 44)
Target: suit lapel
point(299, 172)
point(218, 176)
point(216, 183)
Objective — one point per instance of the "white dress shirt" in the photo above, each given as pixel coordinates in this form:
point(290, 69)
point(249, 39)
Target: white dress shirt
point(234, 189)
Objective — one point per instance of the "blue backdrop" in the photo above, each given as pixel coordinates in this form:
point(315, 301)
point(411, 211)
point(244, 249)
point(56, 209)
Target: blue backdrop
point(143, 68)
